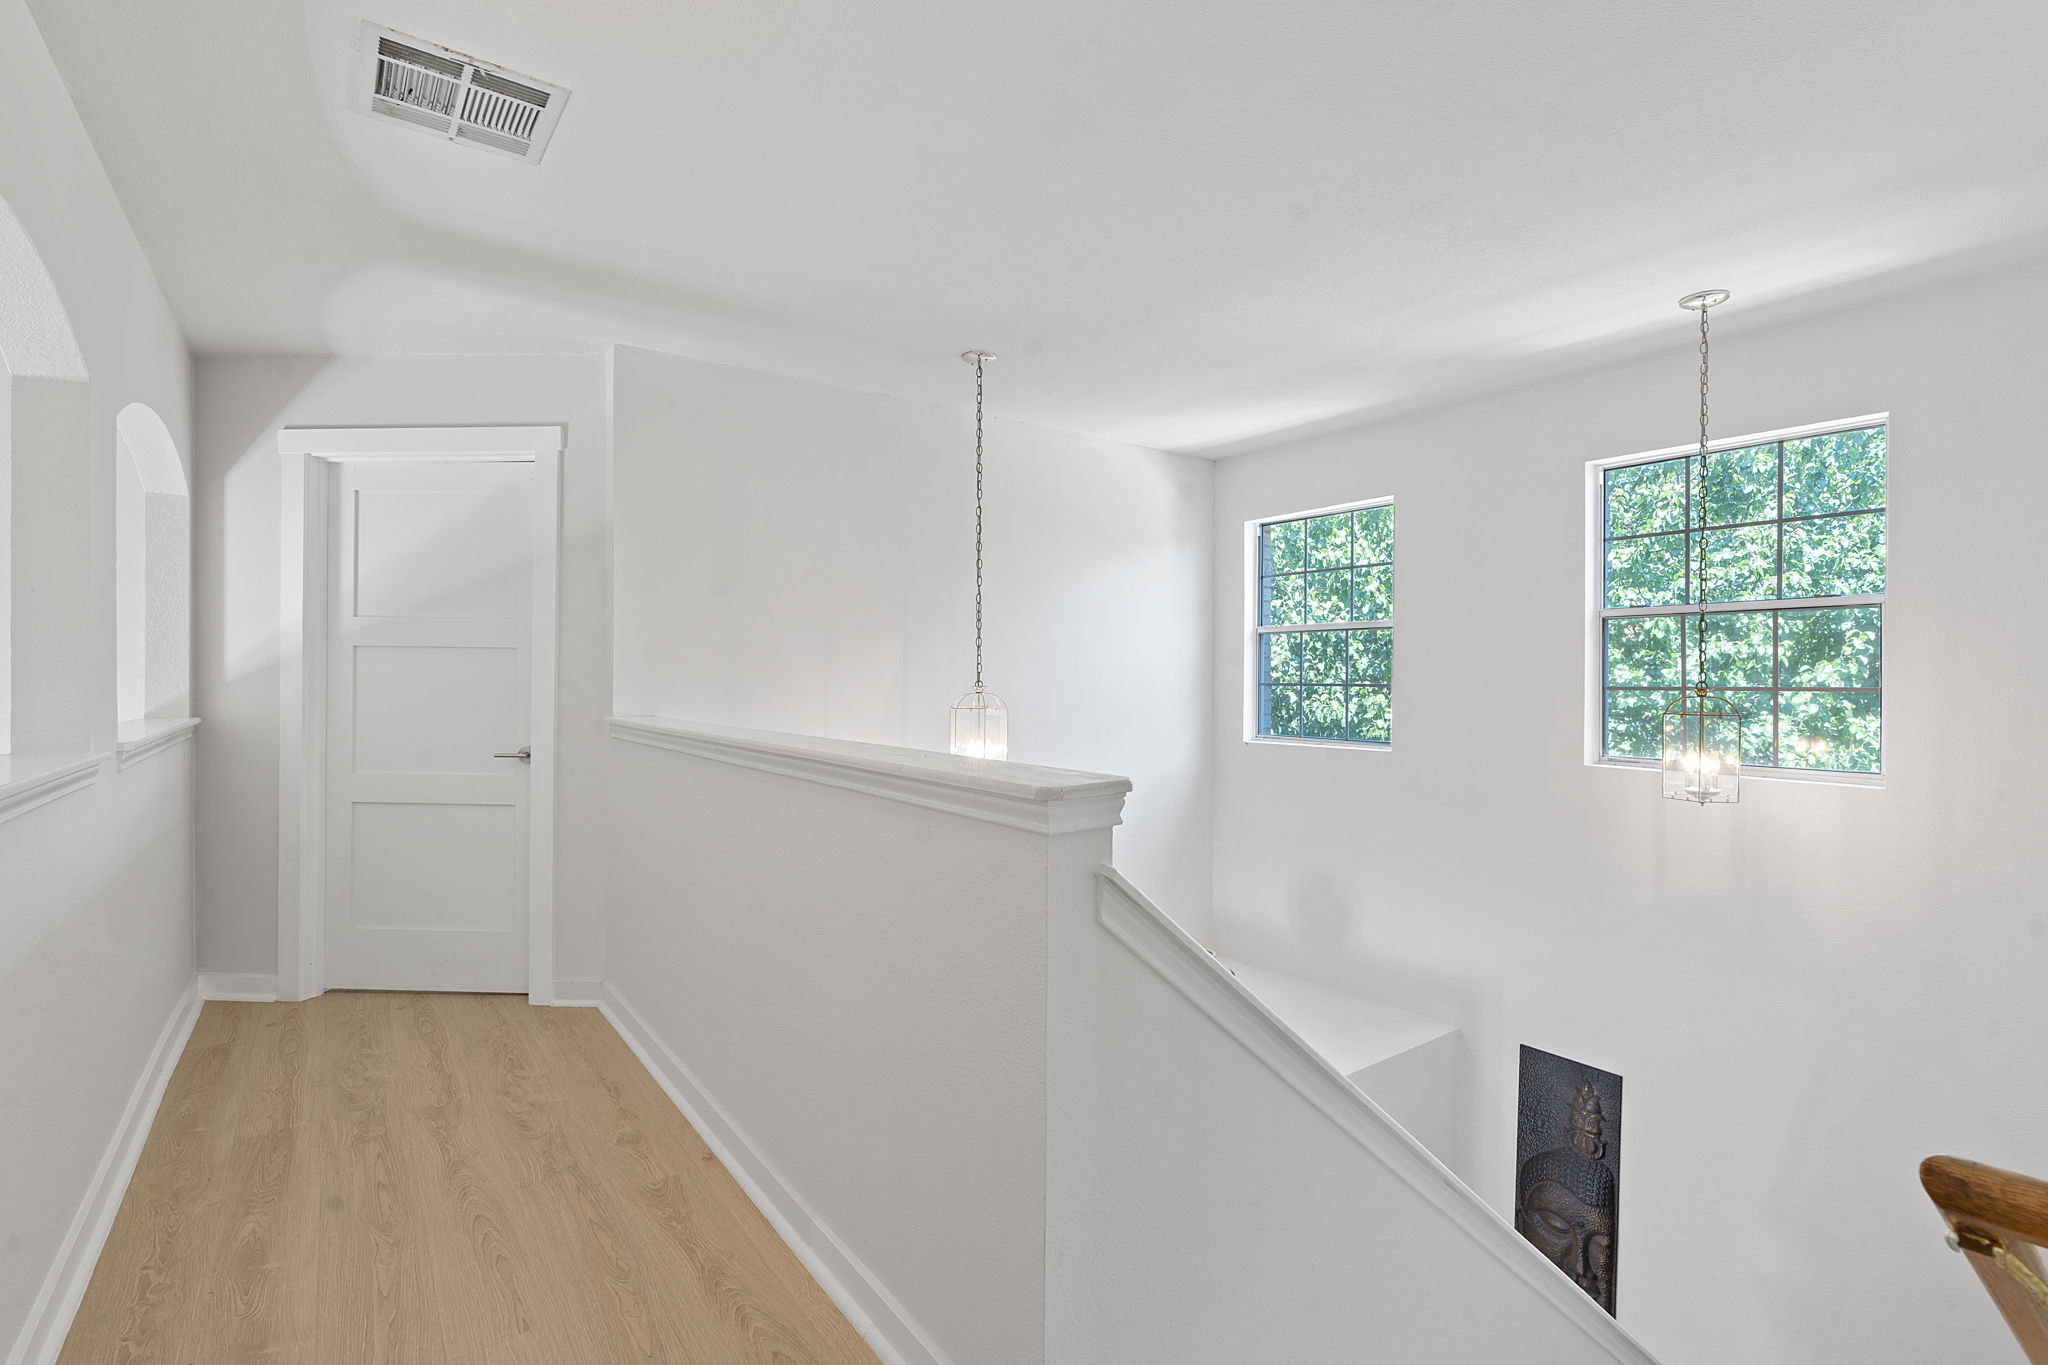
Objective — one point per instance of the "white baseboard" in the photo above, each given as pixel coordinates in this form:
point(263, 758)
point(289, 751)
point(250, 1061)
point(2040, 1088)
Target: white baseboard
point(873, 1311)
point(258, 986)
point(579, 994)
point(49, 1317)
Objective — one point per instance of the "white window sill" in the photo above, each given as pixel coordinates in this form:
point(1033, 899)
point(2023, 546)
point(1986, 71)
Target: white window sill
point(136, 740)
point(1290, 742)
point(31, 780)
point(1812, 777)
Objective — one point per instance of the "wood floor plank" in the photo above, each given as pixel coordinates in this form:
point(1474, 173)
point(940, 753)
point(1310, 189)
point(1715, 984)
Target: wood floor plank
point(747, 1287)
point(406, 1179)
point(145, 1274)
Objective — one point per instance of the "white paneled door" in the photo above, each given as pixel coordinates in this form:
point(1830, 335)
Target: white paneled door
point(429, 661)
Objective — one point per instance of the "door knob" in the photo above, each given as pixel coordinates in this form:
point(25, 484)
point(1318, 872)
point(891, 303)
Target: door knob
point(525, 754)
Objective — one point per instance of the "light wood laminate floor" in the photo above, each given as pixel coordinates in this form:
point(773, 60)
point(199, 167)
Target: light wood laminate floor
point(437, 1180)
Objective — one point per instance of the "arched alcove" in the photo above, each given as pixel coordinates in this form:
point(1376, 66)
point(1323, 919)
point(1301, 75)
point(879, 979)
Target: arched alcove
point(45, 502)
point(152, 569)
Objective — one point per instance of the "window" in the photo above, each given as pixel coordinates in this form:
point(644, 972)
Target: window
point(1794, 534)
point(1323, 662)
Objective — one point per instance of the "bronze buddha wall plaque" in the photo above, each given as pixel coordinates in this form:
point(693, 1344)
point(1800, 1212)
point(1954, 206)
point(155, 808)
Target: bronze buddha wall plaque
point(1568, 1168)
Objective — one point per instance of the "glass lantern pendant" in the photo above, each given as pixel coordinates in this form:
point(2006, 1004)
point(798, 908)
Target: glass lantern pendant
point(1702, 745)
point(981, 725)
point(981, 722)
point(1702, 732)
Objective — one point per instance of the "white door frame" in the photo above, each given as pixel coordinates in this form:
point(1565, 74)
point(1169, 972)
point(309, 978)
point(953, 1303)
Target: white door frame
point(303, 584)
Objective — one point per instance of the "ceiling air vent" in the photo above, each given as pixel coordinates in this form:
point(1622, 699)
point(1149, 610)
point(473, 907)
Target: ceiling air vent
point(454, 96)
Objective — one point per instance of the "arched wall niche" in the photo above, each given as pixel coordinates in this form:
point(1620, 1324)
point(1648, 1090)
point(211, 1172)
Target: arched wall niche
point(152, 570)
point(46, 635)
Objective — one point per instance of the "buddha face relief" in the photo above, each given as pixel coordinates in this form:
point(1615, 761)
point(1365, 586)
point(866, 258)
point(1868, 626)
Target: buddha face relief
point(1576, 1235)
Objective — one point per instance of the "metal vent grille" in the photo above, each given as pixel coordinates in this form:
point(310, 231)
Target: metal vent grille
point(437, 90)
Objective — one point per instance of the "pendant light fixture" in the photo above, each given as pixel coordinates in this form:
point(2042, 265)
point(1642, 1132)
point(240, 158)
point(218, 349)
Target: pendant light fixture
point(1702, 732)
point(981, 722)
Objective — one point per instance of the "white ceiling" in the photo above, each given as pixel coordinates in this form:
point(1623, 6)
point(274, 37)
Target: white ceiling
point(1186, 223)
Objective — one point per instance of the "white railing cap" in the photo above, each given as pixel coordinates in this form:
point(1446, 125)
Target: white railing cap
point(1020, 795)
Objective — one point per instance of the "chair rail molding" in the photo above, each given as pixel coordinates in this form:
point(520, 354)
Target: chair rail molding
point(1196, 974)
point(31, 780)
point(1016, 795)
point(140, 739)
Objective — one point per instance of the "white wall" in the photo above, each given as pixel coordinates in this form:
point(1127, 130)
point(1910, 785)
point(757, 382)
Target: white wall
point(95, 887)
point(242, 404)
point(1806, 993)
point(1025, 1125)
point(800, 558)
point(860, 985)
point(1218, 1195)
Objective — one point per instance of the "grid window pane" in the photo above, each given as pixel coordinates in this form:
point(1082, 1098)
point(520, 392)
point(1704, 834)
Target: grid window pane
point(1283, 552)
point(1371, 714)
point(1322, 712)
point(1327, 684)
point(1280, 658)
point(1739, 647)
point(1643, 651)
point(1329, 597)
point(1781, 521)
point(1372, 532)
point(1835, 556)
point(1281, 602)
point(1646, 498)
point(1372, 592)
point(1742, 564)
point(1372, 655)
point(1759, 726)
point(1650, 572)
point(1635, 722)
point(1329, 542)
point(1829, 647)
point(1841, 472)
point(1837, 731)
point(1280, 711)
point(1327, 572)
point(1323, 656)
point(1740, 486)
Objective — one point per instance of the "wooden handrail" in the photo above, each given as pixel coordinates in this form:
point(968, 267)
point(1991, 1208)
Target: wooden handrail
point(2005, 1199)
point(1999, 1218)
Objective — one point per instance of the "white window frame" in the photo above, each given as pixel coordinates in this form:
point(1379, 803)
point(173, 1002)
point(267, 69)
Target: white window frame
point(1598, 612)
point(1253, 630)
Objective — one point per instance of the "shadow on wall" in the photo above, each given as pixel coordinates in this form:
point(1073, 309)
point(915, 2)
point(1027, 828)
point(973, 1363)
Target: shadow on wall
point(238, 637)
point(152, 570)
point(46, 653)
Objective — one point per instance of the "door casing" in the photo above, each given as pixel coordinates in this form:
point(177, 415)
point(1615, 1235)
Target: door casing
point(303, 583)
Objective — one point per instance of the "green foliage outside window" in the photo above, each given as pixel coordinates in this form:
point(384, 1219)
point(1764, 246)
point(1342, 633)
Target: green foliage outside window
point(1335, 572)
point(1780, 522)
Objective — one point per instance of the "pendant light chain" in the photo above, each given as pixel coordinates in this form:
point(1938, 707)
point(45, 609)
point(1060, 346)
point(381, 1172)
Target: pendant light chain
point(1702, 749)
point(1700, 683)
point(981, 719)
point(981, 361)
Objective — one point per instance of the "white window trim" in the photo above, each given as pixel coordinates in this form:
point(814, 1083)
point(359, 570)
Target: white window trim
point(1597, 613)
point(1249, 693)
